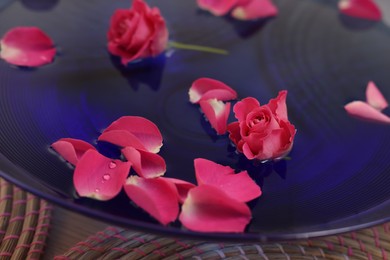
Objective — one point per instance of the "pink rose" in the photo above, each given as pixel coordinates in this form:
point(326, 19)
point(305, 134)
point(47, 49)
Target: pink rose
point(137, 33)
point(262, 132)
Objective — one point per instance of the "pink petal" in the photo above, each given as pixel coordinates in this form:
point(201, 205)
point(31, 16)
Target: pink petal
point(365, 9)
point(145, 130)
point(122, 138)
point(156, 196)
point(145, 164)
point(71, 149)
point(239, 186)
point(99, 177)
point(234, 133)
point(183, 187)
point(217, 113)
point(278, 105)
point(374, 97)
point(364, 111)
point(255, 9)
point(217, 7)
point(244, 107)
point(27, 46)
point(206, 88)
point(208, 209)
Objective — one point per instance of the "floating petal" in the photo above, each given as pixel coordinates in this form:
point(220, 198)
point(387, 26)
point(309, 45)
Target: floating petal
point(156, 196)
point(27, 46)
point(121, 138)
point(145, 164)
point(364, 111)
point(217, 7)
point(206, 88)
point(95, 177)
point(145, 130)
point(209, 209)
point(239, 186)
point(255, 9)
point(71, 149)
point(375, 98)
point(183, 187)
point(217, 113)
point(365, 9)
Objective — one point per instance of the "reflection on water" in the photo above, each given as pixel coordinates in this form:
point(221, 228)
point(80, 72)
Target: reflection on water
point(356, 23)
point(259, 171)
point(147, 71)
point(246, 29)
point(39, 5)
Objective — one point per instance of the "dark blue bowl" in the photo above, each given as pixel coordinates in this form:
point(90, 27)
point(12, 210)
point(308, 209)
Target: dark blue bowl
point(338, 177)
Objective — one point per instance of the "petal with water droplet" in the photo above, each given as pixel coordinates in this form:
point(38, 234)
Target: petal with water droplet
point(255, 9)
point(71, 149)
point(27, 46)
point(375, 98)
point(209, 209)
point(364, 111)
point(90, 176)
point(207, 88)
point(145, 164)
point(145, 130)
point(364, 9)
point(217, 113)
point(156, 196)
point(239, 186)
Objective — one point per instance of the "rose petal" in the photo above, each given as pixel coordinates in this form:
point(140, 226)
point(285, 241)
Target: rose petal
point(278, 105)
point(145, 164)
point(217, 113)
point(255, 9)
point(71, 149)
point(206, 88)
point(374, 97)
point(145, 130)
point(217, 7)
point(121, 138)
point(234, 132)
point(99, 177)
point(27, 46)
point(208, 209)
point(244, 107)
point(156, 196)
point(162, 34)
point(183, 187)
point(364, 111)
point(239, 186)
point(365, 9)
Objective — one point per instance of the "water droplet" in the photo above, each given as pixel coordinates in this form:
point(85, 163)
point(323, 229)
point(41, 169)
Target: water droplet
point(97, 190)
point(112, 165)
point(106, 177)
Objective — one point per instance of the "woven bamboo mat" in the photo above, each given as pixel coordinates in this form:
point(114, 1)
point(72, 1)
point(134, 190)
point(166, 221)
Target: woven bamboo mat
point(24, 223)
point(117, 243)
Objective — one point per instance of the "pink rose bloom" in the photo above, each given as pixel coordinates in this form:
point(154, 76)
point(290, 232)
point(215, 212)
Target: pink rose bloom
point(138, 32)
point(262, 132)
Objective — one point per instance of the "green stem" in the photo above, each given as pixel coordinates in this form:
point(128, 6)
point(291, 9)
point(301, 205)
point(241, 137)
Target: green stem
point(192, 47)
